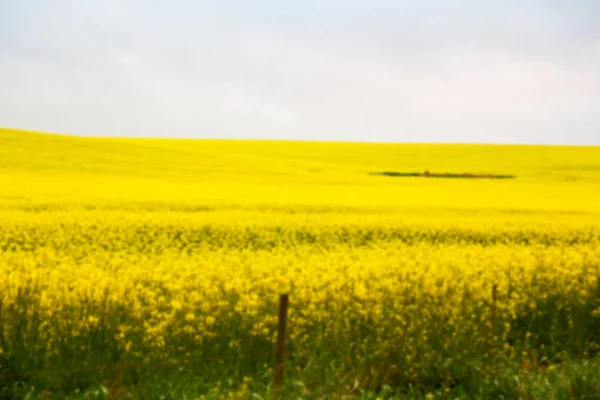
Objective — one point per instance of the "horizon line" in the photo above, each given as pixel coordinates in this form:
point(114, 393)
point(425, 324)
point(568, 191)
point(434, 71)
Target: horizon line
point(294, 140)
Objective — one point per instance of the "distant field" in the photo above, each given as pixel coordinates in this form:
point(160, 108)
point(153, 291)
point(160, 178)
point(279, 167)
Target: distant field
point(60, 171)
point(153, 266)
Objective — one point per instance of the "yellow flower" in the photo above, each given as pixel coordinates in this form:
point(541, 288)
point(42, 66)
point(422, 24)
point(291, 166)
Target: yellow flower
point(189, 317)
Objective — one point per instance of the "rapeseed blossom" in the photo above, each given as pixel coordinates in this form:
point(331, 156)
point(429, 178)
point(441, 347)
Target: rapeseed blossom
point(142, 252)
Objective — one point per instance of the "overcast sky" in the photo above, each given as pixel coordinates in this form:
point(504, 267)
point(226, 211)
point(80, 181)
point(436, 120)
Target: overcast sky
point(510, 71)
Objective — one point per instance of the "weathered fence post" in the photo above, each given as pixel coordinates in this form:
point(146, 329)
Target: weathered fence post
point(493, 319)
point(280, 346)
point(1, 324)
point(116, 389)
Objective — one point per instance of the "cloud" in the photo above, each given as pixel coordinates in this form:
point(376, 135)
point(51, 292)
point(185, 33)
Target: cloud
point(519, 72)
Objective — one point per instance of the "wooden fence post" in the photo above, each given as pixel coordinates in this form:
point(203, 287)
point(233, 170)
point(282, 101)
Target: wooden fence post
point(280, 346)
point(1, 324)
point(116, 389)
point(493, 319)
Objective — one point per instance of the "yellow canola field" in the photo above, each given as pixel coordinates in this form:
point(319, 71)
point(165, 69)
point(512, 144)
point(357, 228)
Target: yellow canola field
point(154, 250)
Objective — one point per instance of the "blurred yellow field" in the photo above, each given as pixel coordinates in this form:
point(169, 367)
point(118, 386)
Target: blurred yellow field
point(140, 251)
point(61, 171)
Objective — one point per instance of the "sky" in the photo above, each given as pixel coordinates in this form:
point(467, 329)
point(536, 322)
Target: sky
point(511, 71)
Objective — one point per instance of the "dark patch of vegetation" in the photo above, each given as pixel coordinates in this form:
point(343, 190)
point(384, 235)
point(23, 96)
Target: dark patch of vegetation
point(428, 174)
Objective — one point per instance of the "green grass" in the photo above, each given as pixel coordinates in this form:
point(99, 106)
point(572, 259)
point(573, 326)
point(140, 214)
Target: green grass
point(573, 379)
